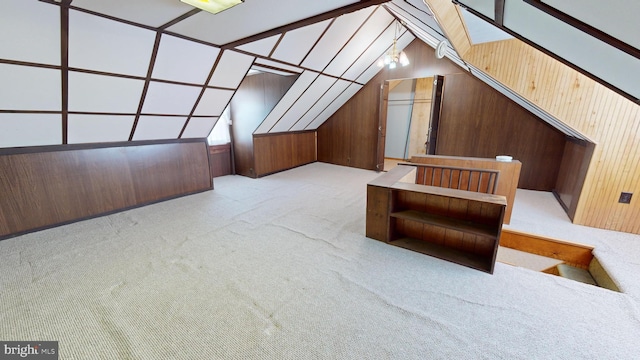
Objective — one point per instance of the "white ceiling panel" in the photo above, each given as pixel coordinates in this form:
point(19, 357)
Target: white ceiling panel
point(199, 127)
point(121, 48)
point(278, 65)
point(405, 39)
point(376, 24)
point(231, 69)
point(250, 18)
point(30, 130)
point(296, 43)
point(159, 127)
point(97, 93)
point(148, 12)
point(304, 103)
point(183, 60)
point(295, 91)
point(415, 12)
point(163, 98)
point(481, 31)
point(213, 102)
point(30, 22)
point(334, 39)
point(328, 97)
point(484, 7)
point(617, 18)
point(334, 106)
point(29, 88)
point(577, 47)
point(260, 47)
point(371, 55)
point(98, 128)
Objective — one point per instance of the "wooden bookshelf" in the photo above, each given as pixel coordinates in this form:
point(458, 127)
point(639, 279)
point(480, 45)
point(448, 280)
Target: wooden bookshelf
point(459, 226)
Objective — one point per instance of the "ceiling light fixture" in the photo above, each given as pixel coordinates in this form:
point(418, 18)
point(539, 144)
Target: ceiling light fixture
point(392, 58)
point(213, 6)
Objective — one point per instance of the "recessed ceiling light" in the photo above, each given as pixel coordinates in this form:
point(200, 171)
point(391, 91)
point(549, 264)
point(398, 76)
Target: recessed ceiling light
point(213, 6)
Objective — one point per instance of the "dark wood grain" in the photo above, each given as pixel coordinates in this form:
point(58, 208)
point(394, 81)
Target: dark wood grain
point(282, 151)
point(220, 156)
point(573, 171)
point(477, 121)
point(58, 185)
point(350, 136)
point(255, 98)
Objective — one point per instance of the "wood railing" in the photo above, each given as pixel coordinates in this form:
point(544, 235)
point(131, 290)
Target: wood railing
point(469, 179)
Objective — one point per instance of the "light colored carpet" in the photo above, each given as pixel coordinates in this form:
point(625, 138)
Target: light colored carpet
point(279, 268)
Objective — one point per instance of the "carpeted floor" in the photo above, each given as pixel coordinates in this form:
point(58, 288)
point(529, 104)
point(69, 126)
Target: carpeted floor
point(279, 268)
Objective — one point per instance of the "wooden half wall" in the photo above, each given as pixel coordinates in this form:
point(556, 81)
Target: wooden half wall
point(282, 151)
point(48, 186)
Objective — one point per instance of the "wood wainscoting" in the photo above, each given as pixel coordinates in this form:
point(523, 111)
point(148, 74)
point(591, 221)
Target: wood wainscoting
point(281, 151)
point(220, 156)
point(48, 186)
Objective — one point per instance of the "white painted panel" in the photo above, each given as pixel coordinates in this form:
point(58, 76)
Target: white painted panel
point(596, 57)
point(302, 83)
point(163, 98)
point(335, 105)
point(99, 128)
point(100, 44)
point(231, 69)
point(411, 10)
point(98, 93)
point(183, 60)
point(338, 34)
point(29, 88)
point(213, 102)
point(304, 103)
point(199, 127)
point(481, 31)
point(30, 130)
point(297, 43)
point(159, 127)
point(484, 7)
point(149, 12)
point(328, 97)
point(250, 18)
point(278, 65)
point(617, 18)
point(261, 47)
point(30, 31)
point(371, 55)
point(405, 39)
point(374, 26)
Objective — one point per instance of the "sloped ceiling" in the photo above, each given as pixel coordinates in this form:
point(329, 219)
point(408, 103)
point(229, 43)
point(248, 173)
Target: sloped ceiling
point(160, 69)
point(80, 71)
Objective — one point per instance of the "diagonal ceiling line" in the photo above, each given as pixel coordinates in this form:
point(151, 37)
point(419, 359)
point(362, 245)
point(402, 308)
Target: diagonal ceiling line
point(395, 10)
point(292, 103)
point(64, 68)
point(499, 12)
point(204, 88)
point(312, 106)
point(180, 18)
point(304, 22)
point(318, 40)
point(276, 45)
point(147, 81)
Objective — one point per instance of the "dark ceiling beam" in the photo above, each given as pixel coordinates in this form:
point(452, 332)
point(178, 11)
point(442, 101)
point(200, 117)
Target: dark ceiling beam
point(586, 28)
point(499, 12)
point(304, 22)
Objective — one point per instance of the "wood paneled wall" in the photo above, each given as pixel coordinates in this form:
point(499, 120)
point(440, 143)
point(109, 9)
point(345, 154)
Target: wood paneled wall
point(608, 119)
point(282, 151)
point(252, 102)
point(43, 187)
point(478, 121)
point(350, 136)
point(220, 156)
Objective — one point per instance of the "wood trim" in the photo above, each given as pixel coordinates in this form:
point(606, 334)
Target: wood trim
point(64, 67)
point(204, 88)
point(26, 63)
point(147, 81)
point(282, 133)
point(180, 18)
point(499, 12)
point(551, 54)
point(316, 42)
point(305, 22)
point(584, 27)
